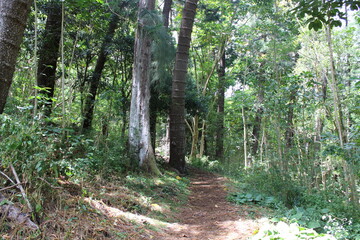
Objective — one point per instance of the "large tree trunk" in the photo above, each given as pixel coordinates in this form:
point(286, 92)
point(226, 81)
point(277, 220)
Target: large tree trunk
point(177, 111)
point(48, 55)
point(95, 80)
point(219, 153)
point(13, 16)
point(141, 151)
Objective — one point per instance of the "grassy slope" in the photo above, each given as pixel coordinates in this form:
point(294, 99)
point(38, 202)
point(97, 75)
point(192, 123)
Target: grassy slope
point(128, 207)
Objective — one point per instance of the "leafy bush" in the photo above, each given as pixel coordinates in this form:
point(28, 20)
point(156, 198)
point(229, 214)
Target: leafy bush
point(205, 163)
point(284, 231)
point(274, 183)
point(39, 149)
point(323, 211)
point(255, 198)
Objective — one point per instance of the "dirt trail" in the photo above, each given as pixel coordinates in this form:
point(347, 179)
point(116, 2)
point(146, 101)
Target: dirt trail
point(209, 216)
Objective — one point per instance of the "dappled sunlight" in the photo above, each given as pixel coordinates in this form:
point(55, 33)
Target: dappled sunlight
point(218, 230)
point(113, 212)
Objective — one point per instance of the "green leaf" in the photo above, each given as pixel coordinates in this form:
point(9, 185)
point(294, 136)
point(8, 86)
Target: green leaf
point(313, 224)
point(297, 216)
point(5, 202)
point(38, 207)
point(325, 210)
point(316, 25)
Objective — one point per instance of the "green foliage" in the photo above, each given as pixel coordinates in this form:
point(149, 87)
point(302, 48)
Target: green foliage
point(41, 149)
point(205, 163)
point(255, 198)
point(325, 12)
point(322, 211)
point(284, 231)
point(168, 189)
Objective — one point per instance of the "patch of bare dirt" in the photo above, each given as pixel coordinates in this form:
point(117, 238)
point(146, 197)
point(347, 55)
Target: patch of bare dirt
point(209, 216)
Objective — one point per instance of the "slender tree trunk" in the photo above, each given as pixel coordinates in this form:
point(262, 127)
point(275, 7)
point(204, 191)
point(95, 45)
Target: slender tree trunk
point(348, 170)
point(281, 161)
point(202, 139)
point(246, 162)
point(13, 16)
point(166, 12)
point(95, 79)
point(177, 111)
point(289, 132)
point(49, 54)
point(141, 152)
point(195, 137)
point(338, 115)
point(219, 152)
point(258, 118)
point(153, 121)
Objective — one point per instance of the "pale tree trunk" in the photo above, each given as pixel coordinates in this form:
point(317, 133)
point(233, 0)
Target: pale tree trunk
point(195, 136)
point(348, 170)
point(202, 139)
point(141, 152)
point(13, 16)
point(177, 111)
point(336, 98)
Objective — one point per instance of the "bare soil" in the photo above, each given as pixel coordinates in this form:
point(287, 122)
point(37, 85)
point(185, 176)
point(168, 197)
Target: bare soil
point(209, 216)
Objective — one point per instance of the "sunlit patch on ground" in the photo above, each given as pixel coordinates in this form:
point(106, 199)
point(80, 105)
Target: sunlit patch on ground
point(112, 212)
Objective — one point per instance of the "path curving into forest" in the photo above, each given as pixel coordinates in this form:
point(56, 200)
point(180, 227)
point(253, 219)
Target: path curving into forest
point(209, 216)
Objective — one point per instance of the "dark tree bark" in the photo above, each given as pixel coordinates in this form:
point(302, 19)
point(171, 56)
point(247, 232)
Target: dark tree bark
point(166, 12)
point(258, 117)
point(13, 16)
point(96, 76)
point(153, 121)
point(219, 153)
point(177, 111)
point(289, 133)
point(48, 55)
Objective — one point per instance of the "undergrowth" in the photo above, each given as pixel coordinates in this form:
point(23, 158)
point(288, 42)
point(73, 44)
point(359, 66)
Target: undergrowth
point(321, 211)
point(80, 188)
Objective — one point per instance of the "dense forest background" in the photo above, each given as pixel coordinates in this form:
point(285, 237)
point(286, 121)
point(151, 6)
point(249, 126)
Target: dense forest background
point(271, 98)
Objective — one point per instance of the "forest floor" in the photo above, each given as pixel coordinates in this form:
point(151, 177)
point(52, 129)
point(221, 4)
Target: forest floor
point(140, 208)
point(209, 216)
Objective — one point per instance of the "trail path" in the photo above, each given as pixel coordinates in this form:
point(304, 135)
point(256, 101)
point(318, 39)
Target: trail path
point(209, 216)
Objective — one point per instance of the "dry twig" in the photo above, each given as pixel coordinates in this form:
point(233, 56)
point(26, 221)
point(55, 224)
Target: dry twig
point(20, 187)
